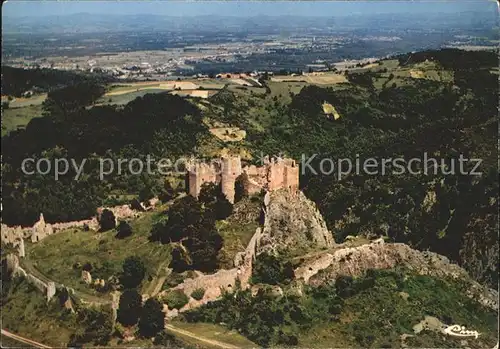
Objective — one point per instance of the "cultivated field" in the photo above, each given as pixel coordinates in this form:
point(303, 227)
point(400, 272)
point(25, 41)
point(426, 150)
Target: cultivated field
point(20, 102)
point(319, 79)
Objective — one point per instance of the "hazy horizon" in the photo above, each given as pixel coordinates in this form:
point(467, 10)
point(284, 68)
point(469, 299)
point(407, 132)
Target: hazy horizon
point(40, 9)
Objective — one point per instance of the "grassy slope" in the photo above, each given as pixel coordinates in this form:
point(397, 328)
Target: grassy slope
point(13, 118)
point(27, 313)
point(238, 229)
point(379, 315)
point(55, 255)
point(213, 332)
point(6, 342)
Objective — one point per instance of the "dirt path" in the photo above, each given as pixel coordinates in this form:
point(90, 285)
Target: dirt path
point(23, 340)
point(201, 339)
point(159, 285)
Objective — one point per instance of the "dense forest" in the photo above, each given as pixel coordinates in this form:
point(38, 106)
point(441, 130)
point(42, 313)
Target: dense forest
point(16, 81)
point(160, 125)
point(452, 214)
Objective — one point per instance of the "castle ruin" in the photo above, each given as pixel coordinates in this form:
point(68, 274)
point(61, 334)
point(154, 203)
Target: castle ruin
point(276, 173)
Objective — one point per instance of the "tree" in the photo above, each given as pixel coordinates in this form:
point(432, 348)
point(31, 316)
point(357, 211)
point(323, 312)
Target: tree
point(203, 252)
point(130, 308)
point(123, 230)
point(193, 230)
point(107, 220)
point(152, 318)
point(180, 260)
point(270, 270)
point(133, 272)
point(135, 204)
point(167, 193)
point(213, 198)
point(98, 325)
point(345, 286)
point(184, 216)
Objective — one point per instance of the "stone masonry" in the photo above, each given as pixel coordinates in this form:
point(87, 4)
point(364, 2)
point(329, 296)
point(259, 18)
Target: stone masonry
point(274, 174)
point(41, 229)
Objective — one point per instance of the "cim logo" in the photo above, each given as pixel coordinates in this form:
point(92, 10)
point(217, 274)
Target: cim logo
point(460, 331)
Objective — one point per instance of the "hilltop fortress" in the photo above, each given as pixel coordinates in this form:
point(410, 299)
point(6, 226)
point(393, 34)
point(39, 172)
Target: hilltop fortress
point(276, 173)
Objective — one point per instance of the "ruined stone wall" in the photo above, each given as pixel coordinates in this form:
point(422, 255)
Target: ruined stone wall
point(14, 236)
point(291, 177)
point(42, 229)
point(11, 234)
point(273, 175)
point(223, 280)
point(49, 288)
point(120, 212)
point(93, 224)
point(355, 261)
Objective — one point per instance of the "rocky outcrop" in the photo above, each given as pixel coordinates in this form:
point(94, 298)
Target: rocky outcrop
point(355, 261)
point(479, 252)
point(86, 277)
point(292, 223)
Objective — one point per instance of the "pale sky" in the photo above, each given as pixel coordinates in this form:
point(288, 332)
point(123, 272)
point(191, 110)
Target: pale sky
point(17, 8)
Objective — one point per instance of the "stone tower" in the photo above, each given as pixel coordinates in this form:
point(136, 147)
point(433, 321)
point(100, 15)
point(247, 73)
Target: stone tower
point(230, 170)
point(199, 174)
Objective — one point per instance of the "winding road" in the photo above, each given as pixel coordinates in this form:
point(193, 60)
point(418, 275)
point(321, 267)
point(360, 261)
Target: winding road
point(201, 339)
point(23, 340)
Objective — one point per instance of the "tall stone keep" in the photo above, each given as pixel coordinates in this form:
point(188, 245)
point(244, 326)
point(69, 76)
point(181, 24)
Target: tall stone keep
point(230, 170)
point(200, 173)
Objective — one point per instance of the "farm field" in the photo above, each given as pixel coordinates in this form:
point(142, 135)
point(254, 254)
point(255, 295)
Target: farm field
point(124, 98)
point(26, 102)
point(320, 79)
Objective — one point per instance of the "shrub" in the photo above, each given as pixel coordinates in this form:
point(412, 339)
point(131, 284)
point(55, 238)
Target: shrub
point(198, 294)
point(129, 308)
point(173, 280)
point(107, 220)
point(87, 267)
point(133, 272)
point(123, 230)
point(136, 205)
point(270, 270)
point(152, 319)
point(176, 299)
